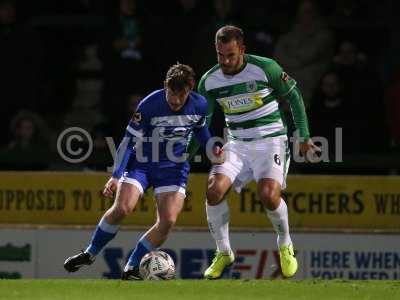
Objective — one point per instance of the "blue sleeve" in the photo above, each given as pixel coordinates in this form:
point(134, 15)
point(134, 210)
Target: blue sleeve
point(134, 131)
point(200, 130)
point(122, 156)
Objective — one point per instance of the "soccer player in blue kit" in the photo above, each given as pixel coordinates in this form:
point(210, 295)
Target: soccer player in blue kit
point(151, 154)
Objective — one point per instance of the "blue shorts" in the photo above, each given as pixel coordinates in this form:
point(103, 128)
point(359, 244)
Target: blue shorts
point(167, 177)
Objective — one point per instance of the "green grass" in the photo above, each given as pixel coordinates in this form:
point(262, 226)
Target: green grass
point(197, 289)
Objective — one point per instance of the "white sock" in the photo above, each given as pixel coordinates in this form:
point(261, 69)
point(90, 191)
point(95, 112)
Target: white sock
point(108, 227)
point(280, 222)
point(218, 223)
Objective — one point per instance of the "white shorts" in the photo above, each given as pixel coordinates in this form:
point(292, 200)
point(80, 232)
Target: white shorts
point(245, 161)
point(157, 190)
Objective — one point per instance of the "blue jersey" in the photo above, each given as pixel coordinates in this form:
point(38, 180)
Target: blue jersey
point(157, 136)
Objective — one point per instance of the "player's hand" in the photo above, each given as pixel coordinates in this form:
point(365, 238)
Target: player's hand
point(110, 187)
point(310, 151)
point(218, 156)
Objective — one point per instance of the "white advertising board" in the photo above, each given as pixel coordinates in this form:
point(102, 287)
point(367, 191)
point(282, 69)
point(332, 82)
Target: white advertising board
point(40, 253)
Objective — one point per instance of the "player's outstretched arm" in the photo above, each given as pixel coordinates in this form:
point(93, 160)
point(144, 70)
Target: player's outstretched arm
point(124, 152)
point(285, 87)
point(202, 135)
point(213, 150)
point(296, 103)
point(134, 133)
point(122, 156)
point(307, 148)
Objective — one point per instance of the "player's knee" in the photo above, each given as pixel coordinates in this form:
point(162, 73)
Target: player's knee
point(214, 195)
point(270, 198)
point(123, 210)
point(166, 222)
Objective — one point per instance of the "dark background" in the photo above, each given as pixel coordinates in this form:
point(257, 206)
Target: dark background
point(88, 63)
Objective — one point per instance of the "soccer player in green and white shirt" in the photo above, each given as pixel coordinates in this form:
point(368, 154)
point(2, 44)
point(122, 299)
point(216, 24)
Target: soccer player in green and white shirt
point(248, 87)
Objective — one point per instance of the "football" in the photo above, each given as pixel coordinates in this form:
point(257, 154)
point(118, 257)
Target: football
point(157, 265)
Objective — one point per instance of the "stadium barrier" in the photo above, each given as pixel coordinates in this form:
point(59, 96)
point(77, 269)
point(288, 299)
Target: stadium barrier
point(40, 253)
point(315, 202)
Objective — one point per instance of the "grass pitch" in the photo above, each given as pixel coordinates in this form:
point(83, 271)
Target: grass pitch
point(197, 289)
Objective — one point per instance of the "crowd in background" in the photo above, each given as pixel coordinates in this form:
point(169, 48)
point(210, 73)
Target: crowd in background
point(88, 63)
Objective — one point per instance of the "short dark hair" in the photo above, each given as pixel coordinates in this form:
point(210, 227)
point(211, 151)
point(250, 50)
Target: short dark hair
point(179, 77)
point(229, 33)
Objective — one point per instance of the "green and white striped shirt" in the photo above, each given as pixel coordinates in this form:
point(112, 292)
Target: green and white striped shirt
point(249, 98)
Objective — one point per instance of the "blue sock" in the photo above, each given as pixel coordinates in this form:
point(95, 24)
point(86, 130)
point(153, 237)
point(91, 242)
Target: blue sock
point(142, 248)
point(102, 235)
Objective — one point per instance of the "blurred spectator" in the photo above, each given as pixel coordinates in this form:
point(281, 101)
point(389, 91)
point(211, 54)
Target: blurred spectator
point(29, 131)
point(331, 108)
point(101, 156)
point(29, 146)
point(350, 64)
point(349, 55)
point(126, 33)
point(362, 85)
point(183, 24)
point(224, 11)
point(124, 63)
point(85, 110)
point(274, 14)
point(305, 52)
point(90, 61)
point(20, 61)
point(256, 20)
point(204, 56)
